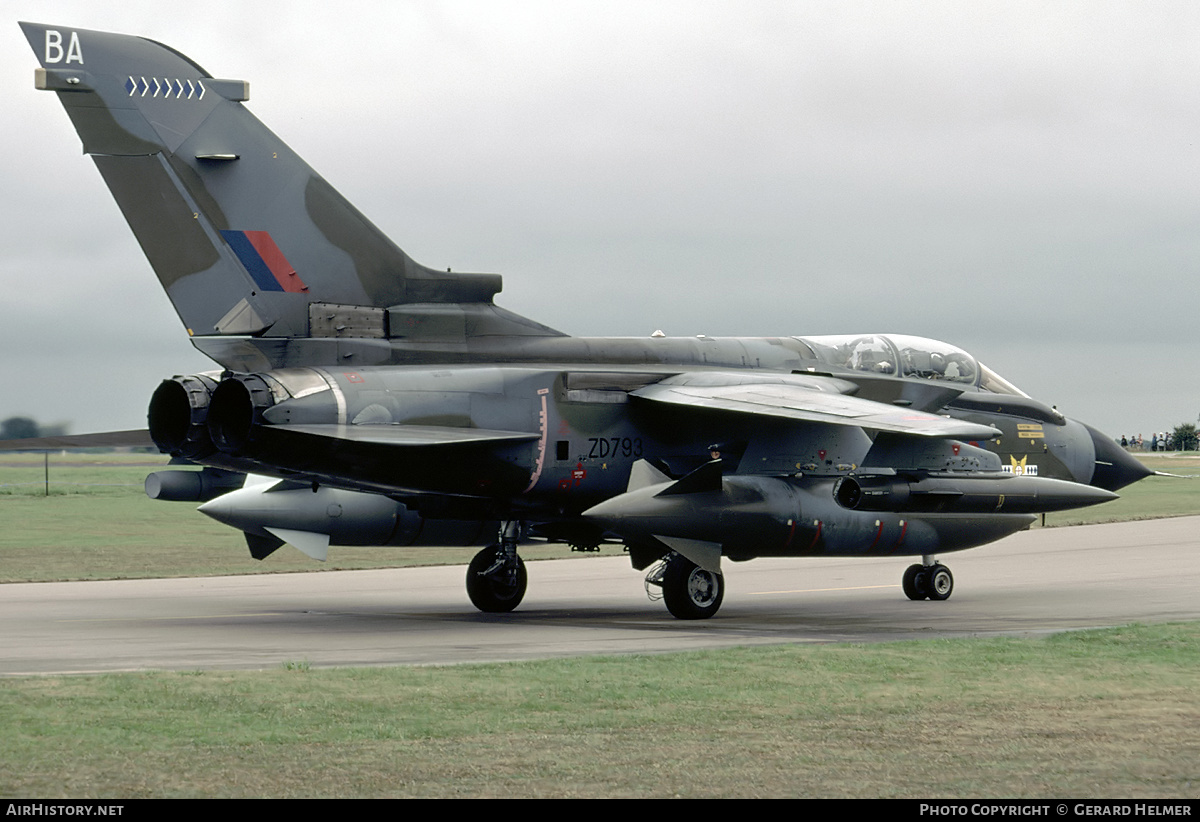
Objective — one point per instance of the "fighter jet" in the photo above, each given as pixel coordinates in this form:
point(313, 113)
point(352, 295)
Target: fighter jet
point(361, 398)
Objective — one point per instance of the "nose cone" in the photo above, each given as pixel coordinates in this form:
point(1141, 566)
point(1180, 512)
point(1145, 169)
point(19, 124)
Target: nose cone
point(1115, 467)
point(225, 510)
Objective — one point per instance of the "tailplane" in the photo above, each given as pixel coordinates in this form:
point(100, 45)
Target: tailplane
point(244, 236)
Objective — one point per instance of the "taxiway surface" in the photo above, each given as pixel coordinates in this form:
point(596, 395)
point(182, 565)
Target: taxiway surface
point(1035, 582)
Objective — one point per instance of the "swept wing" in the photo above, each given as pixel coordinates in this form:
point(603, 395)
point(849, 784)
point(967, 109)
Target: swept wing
point(806, 403)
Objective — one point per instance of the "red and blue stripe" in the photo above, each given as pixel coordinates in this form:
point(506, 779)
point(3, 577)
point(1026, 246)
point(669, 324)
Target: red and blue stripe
point(265, 263)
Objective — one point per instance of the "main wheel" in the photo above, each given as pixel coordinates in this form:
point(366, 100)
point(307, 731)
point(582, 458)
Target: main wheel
point(915, 582)
point(940, 582)
point(500, 591)
point(691, 592)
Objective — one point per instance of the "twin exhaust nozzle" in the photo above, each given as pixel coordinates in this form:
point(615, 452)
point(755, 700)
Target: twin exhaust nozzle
point(195, 416)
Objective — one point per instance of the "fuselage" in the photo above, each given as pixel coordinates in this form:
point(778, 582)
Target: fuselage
point(589, 432)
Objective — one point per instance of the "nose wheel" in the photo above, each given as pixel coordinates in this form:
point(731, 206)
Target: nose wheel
point(927, 582)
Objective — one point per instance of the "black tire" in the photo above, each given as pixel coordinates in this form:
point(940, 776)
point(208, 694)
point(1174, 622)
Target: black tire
point(689, 591)
point(499, 593)
point(915, 582)
point(939, 582)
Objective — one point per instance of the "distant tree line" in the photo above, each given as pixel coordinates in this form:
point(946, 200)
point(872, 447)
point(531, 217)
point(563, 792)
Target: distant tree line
point(1184, 438)
point(23, 428)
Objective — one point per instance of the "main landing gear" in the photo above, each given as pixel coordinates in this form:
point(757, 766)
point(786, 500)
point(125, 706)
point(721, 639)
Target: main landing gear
point(496, 578)
point(689, 591)
point(931, 580)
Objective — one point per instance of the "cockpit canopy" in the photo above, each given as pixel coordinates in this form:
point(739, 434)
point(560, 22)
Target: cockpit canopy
point(905, 356)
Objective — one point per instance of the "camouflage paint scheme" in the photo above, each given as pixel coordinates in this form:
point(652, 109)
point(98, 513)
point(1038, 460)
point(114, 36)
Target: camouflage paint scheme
point(373, 400)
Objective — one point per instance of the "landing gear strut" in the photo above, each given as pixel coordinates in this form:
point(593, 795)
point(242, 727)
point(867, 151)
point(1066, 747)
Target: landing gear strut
point(929, 581)
point(689, 591)
point(496, 578)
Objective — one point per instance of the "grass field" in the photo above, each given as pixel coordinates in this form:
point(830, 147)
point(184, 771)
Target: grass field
point(1151, 498)
point(1111, 713)
point(97, 523)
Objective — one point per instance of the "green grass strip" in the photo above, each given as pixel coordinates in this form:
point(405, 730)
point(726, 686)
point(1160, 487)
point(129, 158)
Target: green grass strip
point(1105, 713)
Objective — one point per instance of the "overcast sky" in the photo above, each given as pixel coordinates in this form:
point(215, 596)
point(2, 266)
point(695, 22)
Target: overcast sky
point(1017, 178)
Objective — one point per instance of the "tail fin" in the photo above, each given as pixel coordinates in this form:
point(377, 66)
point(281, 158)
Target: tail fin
point(245, 237)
